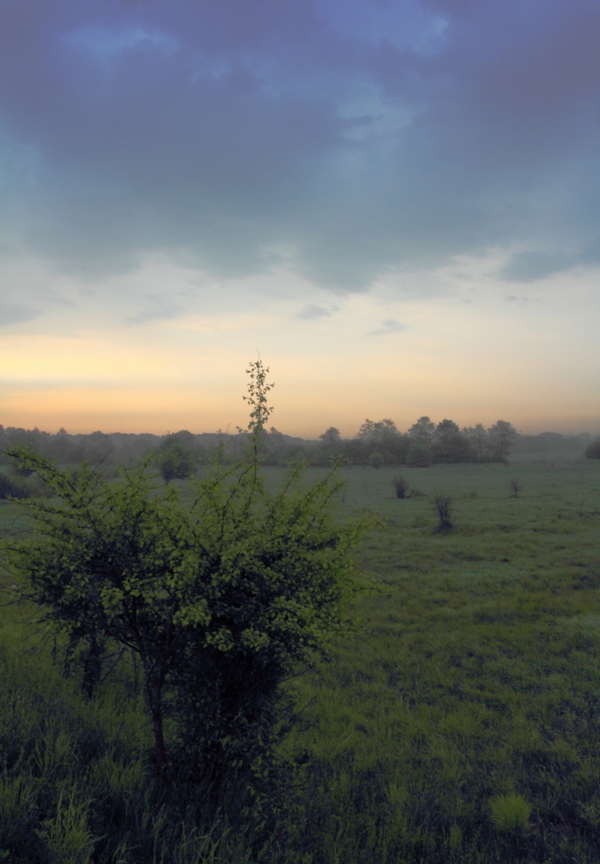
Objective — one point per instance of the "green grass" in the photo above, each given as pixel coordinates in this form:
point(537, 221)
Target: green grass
point(458, 722)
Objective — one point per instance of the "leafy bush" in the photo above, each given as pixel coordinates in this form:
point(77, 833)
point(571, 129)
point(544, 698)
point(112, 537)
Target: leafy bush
point(221, 598)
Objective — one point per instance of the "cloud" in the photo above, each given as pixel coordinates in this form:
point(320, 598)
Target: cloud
point(106, 42)
point(163, 310)
point(14, 314)
point(531, 266)
point(388, 325)
point(364, 135)
point(313, 311)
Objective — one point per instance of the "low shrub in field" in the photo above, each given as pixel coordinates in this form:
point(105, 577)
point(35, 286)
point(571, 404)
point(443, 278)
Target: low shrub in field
point(442, 502)
point(401, 487)
point(515, 487)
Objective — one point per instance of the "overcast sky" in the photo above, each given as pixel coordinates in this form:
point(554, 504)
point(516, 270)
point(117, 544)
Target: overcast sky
point(396, 201)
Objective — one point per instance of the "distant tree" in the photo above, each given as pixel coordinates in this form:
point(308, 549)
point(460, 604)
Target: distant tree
point(449, 445)
point(380, 432)
point(329, 448)
point(592, 451)
point(477, 436)
point(331, 438)
point(502, 436)
point(96, 447)
point(62, 447)
point(422, 430)
point(383, 437)
point(174, 459)
point(419, 454)
point(275, 447)
point(376, 460)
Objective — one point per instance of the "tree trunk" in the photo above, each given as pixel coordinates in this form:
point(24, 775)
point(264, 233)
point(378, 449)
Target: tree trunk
point(154, 696)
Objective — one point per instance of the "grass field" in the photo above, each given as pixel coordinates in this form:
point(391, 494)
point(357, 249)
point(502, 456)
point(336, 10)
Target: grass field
point(458, 721)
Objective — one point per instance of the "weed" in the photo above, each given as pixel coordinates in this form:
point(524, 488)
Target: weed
point(510, 813)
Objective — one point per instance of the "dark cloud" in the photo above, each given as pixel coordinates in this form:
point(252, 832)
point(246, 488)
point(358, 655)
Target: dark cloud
point(365, 135)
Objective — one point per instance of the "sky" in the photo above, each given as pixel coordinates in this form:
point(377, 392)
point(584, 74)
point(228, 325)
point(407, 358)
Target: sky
point(396, 202)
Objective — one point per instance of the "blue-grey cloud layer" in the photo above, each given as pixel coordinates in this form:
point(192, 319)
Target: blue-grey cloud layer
point(358, 136)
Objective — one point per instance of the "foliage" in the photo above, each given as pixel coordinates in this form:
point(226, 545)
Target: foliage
point(221, 598)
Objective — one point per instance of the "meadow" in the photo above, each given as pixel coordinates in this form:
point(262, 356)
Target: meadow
point(458, 719)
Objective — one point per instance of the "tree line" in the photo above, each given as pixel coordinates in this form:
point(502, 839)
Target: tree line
point(377, 443)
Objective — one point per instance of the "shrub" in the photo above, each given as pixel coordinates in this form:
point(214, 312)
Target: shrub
point(401, 487)
point(221, 598)
point(515, 487)
point(442, 503)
